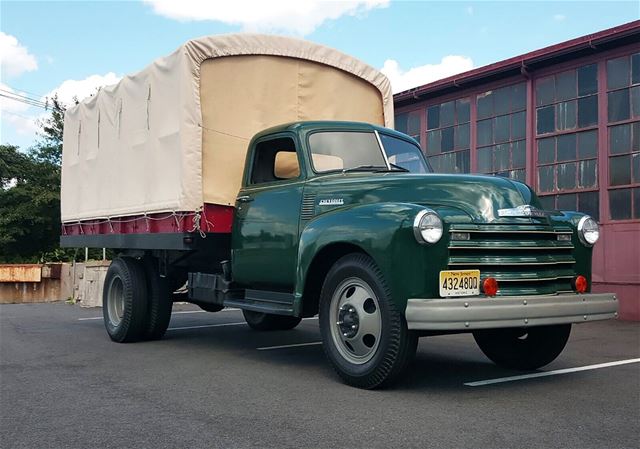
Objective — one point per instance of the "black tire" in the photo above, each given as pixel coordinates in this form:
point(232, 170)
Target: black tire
point(124, 300)
point(523, 348)
point(260, 321)
point(397, 345)
point(160, 302)
point(209, 307)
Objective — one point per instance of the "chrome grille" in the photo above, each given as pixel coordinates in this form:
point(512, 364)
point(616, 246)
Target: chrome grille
point(528, 261)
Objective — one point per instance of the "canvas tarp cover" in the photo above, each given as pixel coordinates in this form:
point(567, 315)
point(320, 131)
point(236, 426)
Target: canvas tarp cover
point(174, 136)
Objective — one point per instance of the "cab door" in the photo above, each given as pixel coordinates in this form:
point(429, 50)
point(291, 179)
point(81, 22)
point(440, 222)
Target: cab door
point(265, 235)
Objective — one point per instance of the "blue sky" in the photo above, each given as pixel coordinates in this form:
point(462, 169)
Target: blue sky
point(75, 46)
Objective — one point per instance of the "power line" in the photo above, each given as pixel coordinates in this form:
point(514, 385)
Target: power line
point(15, 89)
point(21, 100)
point(21, 93)
point(27, 100)
point(22, 96)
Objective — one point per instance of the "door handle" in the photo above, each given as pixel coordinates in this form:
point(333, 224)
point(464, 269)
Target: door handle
point(244, 199)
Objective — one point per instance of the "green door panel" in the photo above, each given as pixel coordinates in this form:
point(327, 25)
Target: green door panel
point(265, 236)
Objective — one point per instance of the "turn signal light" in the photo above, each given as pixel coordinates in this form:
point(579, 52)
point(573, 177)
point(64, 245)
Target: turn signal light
point(580, 284)
point(490, 286)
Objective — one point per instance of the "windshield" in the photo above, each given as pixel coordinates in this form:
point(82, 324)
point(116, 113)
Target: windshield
point(354, 150)
point(404, 154)
point(343, 150)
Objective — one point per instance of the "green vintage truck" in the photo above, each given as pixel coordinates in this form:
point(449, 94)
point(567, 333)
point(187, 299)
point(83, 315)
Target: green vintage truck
point(345, 220)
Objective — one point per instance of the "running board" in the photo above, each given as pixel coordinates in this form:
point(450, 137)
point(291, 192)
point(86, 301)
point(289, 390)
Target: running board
point(265, 301)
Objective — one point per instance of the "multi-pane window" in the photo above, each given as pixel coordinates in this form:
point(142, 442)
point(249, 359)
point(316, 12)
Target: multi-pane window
point(409, 123)
point(501, 131)
point(567, 139)
point(448, 136)
point(623, 117)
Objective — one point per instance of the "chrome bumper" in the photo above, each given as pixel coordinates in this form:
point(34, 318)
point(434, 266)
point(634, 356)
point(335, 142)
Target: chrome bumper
point(508, 311)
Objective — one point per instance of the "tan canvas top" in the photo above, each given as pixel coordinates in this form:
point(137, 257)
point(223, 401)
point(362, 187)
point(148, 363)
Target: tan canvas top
point(174, 135)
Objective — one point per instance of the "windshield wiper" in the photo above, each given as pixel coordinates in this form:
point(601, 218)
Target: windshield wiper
point(364, 168)
point(398, 168)
point(376, 168)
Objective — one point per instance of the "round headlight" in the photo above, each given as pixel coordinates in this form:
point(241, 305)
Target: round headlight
point(427, 226)
point(588, 230)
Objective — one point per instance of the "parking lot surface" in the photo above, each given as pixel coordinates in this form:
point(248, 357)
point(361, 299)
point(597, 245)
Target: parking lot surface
point(212, 382)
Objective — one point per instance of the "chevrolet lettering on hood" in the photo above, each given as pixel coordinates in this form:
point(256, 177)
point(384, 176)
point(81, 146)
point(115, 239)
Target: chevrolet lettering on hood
point(331, 202)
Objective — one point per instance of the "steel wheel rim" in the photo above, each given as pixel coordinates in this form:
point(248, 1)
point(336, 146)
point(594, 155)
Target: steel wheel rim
point(356, 322)
point(115, 302)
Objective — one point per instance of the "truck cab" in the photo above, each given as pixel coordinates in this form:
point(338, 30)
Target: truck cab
point(347, 220)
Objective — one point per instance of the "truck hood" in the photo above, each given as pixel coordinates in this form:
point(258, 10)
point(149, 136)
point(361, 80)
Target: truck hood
point(458, 198)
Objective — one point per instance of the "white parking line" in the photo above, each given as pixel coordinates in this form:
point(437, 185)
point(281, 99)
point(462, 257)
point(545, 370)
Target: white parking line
point(204, 325)
point(550, 373)
point(219, 325)
point(266, 348)
point(232, 309)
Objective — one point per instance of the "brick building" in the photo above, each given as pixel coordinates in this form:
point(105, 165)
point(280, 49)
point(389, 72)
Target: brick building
point(565, 119)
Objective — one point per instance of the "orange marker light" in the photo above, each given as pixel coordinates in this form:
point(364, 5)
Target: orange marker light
point(490, 286)
point(580, 284)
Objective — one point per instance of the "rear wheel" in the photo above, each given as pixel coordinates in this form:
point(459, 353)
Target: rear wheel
point(269, 322)
point(523, 348)
point(160, 302)
point(124, 300)
point(364, 335)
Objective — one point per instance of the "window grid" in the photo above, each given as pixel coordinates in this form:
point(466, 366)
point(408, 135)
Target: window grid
point(566, 145)
point(501, 131)
point(623, 119)
point(448, 135)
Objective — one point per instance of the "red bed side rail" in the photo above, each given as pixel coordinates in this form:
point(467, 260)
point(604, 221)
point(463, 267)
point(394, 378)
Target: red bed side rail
point(212, 218)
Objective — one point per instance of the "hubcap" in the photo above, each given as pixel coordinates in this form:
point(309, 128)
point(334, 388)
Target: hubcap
point(357, 322)
point(115, 302)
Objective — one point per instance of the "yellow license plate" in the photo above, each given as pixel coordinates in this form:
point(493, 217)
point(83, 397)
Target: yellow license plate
point(459, 283)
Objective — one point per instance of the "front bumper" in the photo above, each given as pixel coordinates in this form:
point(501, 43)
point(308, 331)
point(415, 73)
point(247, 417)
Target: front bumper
point(469, 313)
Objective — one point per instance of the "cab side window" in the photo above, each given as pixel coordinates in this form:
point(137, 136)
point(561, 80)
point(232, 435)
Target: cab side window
point(275, 160)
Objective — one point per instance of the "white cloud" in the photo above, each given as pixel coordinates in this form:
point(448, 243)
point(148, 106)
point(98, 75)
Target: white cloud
point(15, 59)
point(295, 16)
point(559, 17)
point(20, 116)
point(417, 76)
point(82, 88)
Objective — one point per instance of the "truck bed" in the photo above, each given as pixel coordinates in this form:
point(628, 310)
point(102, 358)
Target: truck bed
point(170, 231)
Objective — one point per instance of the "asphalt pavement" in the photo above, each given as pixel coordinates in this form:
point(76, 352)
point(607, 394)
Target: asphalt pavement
point(212, 382)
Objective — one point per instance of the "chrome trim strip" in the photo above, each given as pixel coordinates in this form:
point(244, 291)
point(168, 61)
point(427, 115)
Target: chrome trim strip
point(522, 211)
point(498, 231)
point(511, 247)
point(513, 263)
point(384, 152)
point(532, 279)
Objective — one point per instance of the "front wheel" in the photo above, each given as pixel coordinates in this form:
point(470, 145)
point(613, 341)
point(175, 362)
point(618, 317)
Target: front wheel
point(269, 322)
point(523, 348)
point(364, 335)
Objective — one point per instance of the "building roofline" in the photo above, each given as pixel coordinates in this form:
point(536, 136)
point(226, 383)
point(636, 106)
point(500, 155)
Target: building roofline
point(524, 61)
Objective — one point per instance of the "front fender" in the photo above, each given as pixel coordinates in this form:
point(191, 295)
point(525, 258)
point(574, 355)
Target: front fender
point(385, 232)
point(581, 253)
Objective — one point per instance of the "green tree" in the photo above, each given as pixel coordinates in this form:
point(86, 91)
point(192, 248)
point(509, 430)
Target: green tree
point(29, 206)
point(30, 193)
